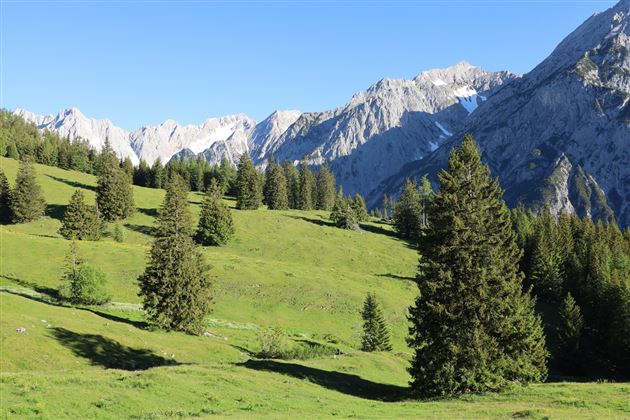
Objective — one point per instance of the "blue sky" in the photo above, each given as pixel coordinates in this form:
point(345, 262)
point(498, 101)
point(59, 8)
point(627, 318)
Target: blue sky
point(142, 62)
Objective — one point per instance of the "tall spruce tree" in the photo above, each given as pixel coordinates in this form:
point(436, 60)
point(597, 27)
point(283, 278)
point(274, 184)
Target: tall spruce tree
point(358, 204)
point(343, 213)
point(407, 213)
point(27, 200)
point(325, 186)
point(293, 184)
point(473, 328)
point(81, 221)
point(175, 286)
point(114, 194)
point(275, 190)
point(567, 354)
point(215, 222)
point(305, 197)
point(375, 332)
point(5, 199)
point(248, 194)
point(156, 178)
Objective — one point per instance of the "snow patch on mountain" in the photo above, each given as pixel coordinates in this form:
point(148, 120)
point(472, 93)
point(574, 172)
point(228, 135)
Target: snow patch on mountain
point(443, 130)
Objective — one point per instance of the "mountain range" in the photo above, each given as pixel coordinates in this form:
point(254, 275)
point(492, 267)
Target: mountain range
point(557, 136)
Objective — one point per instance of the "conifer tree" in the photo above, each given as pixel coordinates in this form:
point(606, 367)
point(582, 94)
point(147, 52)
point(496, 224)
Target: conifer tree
point(343, 214)
point(157, 174)
point(248, 194)
point(175, 286)
point(569, 335)
point(325, 187)
point(407, 213)
point(114, 195)
point(80, 221)
point(386, 207)
point(293, 184)
point(360, 210)
point(473, 328)
point(215, 222)
point(547, 261)
point(375, 332)
point(426, 194)
point(27, 200)
point(305, 197)
point(275, 190)
point(142, 174)
point(5, 199)
point(127, 167)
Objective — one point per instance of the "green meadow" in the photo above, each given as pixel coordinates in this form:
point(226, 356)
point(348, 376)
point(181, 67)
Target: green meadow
point(286, 269)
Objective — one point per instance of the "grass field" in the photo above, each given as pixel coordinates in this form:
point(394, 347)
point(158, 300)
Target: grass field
point(285, 269)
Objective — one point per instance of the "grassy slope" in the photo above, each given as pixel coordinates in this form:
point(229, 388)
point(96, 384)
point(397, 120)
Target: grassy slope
point(283, 268)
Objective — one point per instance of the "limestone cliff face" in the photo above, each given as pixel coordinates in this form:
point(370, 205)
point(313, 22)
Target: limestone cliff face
point(562, 131)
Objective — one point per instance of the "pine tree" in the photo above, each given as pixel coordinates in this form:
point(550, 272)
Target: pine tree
point(275, 190)
point(293, 184)
point(569, 336)
point(175, 286)
point(547, 261)
point(386, 207)
point(215, 222)
point(27, 200)
point(325, 186)
point(473, 328)
point(118, 232)
point(156, 179)
point(407, 214)
point(142, 174)
point(360, 210)
point(80, 221)
point(426, 194)
point(5, 199)
point(343, 214)
point(127, 167)
point(114, 195)
point(248, 194)
point(305, 197)
point(375, 331)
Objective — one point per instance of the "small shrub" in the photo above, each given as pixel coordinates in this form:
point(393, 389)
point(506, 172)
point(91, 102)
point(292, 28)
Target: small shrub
point(86, 286)
point(272, 343)
point(119, 233)
point(83, 283)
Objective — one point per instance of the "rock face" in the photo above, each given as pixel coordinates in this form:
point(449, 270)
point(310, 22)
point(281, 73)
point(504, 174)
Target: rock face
point(267, 133)
point(73, 124)
point(169, 138)
point(392, 123)
point(560, 135)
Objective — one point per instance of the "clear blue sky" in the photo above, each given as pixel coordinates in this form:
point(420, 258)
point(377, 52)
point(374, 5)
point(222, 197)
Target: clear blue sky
point(140, 63)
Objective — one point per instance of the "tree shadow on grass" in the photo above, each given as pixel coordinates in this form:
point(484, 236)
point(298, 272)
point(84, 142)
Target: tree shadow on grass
point(51, 296)
point(108, 353)
point(145, 230)
point(397, 277)
point(379, 230)
point(74, 184)
point(148, 212)
point(318, 222)
point(337, 381)
point(56, 211)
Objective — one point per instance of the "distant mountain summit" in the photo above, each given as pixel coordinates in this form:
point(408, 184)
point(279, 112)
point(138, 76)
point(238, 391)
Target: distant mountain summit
point(392, 123)
point(560, 135)
point(73, 124)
